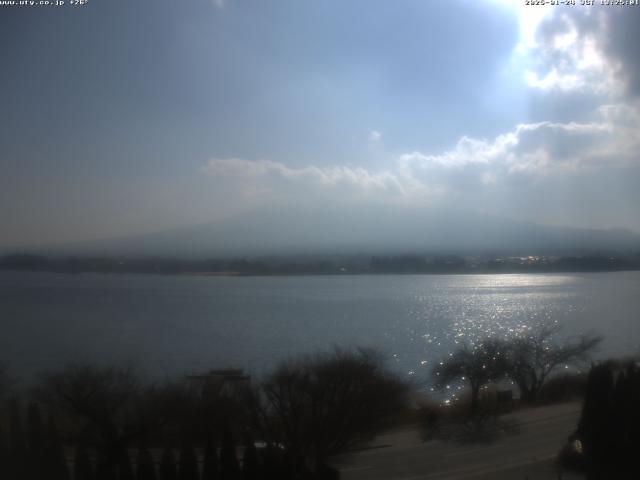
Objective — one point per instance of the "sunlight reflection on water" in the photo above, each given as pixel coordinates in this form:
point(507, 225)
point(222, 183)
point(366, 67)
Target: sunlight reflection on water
point(171, 325)
point(468, 309)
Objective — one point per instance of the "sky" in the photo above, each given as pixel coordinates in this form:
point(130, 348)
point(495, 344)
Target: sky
point(123, 117)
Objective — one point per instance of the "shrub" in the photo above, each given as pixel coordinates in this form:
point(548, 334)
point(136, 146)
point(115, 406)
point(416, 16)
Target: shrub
point(321, 405)
point(563, 388)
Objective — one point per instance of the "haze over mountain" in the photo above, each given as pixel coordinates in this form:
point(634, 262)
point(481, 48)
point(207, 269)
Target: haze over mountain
point(390, 230)
point(319, 125)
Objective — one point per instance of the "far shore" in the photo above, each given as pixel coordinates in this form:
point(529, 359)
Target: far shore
point(409, 264)
point(362, 273)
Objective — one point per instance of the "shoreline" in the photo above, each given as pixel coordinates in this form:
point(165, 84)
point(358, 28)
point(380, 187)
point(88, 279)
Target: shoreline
point(321, 274)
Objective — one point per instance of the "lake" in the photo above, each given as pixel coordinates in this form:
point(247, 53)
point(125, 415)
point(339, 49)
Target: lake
point(168, 325)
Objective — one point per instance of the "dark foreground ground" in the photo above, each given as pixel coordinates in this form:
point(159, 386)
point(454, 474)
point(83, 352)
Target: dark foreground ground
point(525, 446)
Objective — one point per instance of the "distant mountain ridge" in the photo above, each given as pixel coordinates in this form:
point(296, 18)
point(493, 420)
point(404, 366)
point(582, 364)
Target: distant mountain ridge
point(295, 231)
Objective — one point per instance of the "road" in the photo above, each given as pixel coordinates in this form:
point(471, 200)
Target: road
point(527, 451)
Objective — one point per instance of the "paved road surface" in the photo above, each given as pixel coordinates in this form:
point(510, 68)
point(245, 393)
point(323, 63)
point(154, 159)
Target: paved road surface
point(528, 453)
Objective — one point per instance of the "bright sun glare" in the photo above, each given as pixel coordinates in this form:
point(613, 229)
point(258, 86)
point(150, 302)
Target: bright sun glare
point(529, 18)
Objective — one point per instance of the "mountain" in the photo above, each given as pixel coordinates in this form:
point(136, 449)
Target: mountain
point(294, 231)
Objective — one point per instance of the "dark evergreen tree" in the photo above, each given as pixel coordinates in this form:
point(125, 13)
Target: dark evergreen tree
point(146, 468)
point(250, 462)
point(17, 433)
point(36, 435)
point(288, 465)
point(618, 423)
point(168, 470)
point(593, 425)
point(125, 471)
point(188, 468)
point(105, 470)
point(623, 447)
point(271, 463)
point(82, 467)
point(17, 446)
point(633, 416)
point(610, 423)
point(210, 467)
point(5, 457)
point(56, 462)
point(36, 441)
point(229, 469)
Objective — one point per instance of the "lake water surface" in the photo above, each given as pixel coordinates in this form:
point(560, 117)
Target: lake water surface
point(168, 325)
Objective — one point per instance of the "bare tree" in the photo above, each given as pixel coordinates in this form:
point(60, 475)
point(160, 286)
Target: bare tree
point(321, 405)
point(99, 400)
point(534, 357)
point(476, 365)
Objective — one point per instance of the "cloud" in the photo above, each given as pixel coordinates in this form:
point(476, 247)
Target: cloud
point(276, 179)
point(536, 149)
point(586, 50)
point(621, 44)
point(375, 136)
point(569, 54)
point(528, 153)
point(218, 3)
point(571, 51)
